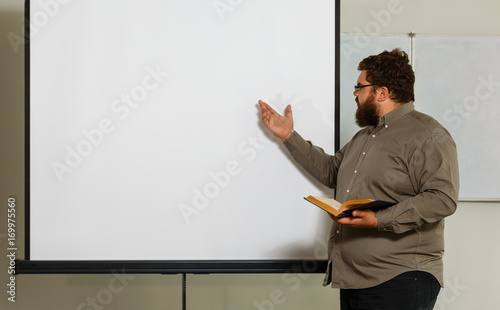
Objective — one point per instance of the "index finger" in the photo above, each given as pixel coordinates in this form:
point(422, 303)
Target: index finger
point(265, 106)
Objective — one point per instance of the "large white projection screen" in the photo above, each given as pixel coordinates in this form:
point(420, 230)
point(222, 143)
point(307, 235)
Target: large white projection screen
point(145, 136)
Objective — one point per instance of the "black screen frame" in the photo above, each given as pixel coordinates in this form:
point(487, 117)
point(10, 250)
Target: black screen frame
point(28, 266)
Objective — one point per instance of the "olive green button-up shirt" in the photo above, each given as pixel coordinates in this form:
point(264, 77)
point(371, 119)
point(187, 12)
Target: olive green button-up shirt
point(410, 159)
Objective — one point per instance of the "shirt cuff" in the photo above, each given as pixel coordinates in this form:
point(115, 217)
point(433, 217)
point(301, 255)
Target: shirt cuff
point(385, 221)
point(294, 142)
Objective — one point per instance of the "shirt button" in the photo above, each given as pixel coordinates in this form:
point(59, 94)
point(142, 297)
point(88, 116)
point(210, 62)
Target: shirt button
point(348, 191)
point(355, 171)
point(386, 126)
point(373, 136)
point(364, 153)
point(338, 232)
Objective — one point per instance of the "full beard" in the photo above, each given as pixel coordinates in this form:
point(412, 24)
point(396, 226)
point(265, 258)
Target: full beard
point(367, 113)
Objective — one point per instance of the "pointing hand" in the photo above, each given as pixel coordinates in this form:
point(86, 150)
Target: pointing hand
point(280, 126)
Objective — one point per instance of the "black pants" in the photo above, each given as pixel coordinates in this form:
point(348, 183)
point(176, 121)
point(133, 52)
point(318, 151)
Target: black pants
point(414, 290)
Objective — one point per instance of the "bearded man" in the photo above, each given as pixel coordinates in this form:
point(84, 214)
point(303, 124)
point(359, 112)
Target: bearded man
point(391, 258)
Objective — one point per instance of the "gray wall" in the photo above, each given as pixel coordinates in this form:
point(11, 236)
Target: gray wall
point(471, 252)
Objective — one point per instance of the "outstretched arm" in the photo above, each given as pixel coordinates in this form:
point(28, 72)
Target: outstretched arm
point(320, 165)
point(280, 126)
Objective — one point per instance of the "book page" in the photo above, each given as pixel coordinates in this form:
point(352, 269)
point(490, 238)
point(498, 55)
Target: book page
point(329, 201)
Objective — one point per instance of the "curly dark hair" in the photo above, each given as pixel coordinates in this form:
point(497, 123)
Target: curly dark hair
point(392, 70)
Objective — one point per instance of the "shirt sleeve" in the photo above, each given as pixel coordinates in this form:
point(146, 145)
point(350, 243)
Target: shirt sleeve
point(322, 166)
point(433, 169)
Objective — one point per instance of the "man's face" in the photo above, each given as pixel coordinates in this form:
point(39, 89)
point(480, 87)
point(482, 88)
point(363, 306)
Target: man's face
point(367, 113)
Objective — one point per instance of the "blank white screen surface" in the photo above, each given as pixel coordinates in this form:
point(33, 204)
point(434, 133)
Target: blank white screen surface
point(145, 136)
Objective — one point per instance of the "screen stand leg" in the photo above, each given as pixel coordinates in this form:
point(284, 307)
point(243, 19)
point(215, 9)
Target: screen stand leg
point(184, 291)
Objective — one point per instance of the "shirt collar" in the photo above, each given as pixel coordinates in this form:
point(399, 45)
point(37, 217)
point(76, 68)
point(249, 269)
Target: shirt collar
point(391, 117)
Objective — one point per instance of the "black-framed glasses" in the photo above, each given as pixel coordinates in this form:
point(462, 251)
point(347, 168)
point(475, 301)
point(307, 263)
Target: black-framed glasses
point(358, 87)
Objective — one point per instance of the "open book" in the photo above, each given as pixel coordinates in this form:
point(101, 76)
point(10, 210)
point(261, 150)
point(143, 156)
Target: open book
point(345, 209)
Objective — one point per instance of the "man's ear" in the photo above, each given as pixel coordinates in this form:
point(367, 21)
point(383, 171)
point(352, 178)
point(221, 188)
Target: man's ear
point(383, 93)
